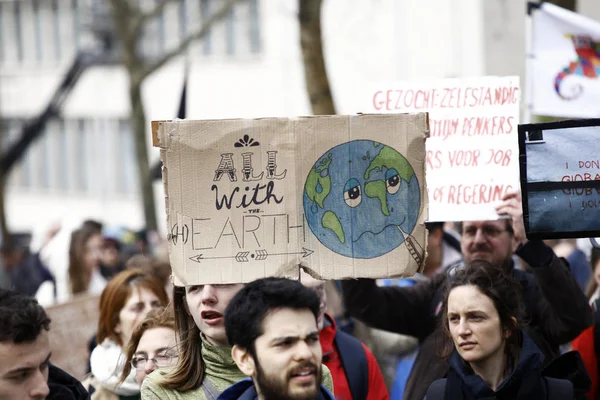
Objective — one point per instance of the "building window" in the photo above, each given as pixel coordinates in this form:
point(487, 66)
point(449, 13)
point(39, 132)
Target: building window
point(237, 34)
point(63, 156)
point(21, 172)
point(160, 22)
point(18, 31)
point(230, 23)
point(205, 12)
point(37, 26)
point(182, 20)
point(254, 27)
point(127, 174)
point(2, 32)
point(56, 29)
point(82, 143)
point(76, 23)
point(42, 154)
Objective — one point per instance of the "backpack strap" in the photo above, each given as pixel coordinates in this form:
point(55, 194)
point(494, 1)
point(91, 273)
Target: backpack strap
point(437, 390)
point(596, 308)
point(355, 364)
point(210, 391)
point(560, 389)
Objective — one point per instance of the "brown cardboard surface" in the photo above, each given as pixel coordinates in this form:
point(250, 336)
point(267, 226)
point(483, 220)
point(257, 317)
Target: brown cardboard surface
point(341, 195)
point(72, 327)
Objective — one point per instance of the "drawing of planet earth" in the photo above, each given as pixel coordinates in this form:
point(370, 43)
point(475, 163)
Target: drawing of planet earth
point(361, 198)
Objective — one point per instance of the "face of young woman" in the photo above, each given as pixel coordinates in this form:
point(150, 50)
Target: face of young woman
point(134, 311)
point(474, 324)
point(93, 252)
point(206, 304)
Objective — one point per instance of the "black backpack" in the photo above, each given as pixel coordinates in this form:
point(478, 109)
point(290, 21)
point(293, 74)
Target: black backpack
point(355, 364)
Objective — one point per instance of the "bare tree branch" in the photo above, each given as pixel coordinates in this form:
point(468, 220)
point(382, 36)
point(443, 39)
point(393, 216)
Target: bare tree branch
point(203, 31)
point(145, 17)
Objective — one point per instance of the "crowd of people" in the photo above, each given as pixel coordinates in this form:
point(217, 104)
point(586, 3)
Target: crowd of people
point(493, 315)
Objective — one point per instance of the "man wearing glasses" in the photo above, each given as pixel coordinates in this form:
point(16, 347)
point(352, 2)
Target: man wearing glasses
point(555, 307)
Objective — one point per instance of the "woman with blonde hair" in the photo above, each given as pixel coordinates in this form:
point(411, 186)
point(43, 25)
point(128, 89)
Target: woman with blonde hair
point(124, 304)
point(152, 345)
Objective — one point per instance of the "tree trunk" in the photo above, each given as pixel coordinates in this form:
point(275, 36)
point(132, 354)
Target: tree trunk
point(3, 224)
point(568, 4)
point(315, 73)
point(138, 125)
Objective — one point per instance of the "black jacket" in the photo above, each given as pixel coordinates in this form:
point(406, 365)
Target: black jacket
point(64, 387)
point(527, 381)
point(556, 309)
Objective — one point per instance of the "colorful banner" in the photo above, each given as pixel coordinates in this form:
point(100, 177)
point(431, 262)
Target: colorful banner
point(472, 151)
point(564, 64)
point(341, 195)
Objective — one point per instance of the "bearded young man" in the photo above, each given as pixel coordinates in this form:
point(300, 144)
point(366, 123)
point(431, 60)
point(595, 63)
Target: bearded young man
point(272, 325)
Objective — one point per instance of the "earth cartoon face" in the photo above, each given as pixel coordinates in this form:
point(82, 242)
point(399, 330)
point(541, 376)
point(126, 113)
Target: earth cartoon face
point(361, 198)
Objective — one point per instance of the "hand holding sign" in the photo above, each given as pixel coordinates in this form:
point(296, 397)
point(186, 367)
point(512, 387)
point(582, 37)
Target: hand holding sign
point(511, 206)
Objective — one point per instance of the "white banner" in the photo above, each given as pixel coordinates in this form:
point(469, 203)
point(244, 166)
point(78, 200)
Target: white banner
point(472, 152)
point(565, 64)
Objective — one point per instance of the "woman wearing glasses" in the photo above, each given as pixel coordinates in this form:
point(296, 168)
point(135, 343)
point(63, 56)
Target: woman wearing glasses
point(124, 304)
point(152, 345)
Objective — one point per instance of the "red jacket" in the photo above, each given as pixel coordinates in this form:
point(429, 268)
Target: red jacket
point(584, 343)
point(377, 387)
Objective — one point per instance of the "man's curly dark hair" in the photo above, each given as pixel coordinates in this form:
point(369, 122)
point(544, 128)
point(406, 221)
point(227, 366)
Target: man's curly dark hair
point(21, 318)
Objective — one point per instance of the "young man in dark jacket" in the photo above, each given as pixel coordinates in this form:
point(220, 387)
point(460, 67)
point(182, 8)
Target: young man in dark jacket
point(556, 309)
point(272, 325)
point(25, 369)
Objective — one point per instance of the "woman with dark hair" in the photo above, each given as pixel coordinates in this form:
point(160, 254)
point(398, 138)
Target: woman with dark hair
point(85, 251)
point(489, 355)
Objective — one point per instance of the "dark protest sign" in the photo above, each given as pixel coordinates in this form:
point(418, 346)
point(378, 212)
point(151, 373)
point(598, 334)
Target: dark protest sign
point(560, 178)
point(341, 195)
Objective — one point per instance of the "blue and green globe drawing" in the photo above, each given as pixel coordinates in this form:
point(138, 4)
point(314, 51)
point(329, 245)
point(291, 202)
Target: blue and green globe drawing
point(361, 198)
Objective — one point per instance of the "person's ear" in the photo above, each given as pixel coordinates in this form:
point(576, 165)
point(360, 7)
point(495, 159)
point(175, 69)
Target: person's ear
point(509, 331)
point(243, 360)
point(185, 304)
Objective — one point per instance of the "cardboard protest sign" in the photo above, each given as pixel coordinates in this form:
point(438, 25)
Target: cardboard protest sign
point(472, 150)
point(560, 178)
point(72, 327)
point(341, 195)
